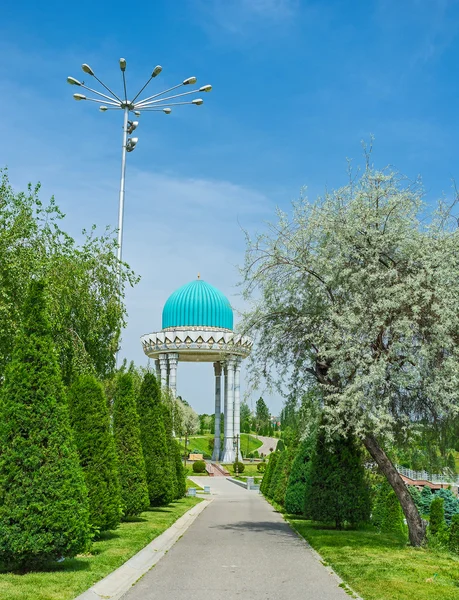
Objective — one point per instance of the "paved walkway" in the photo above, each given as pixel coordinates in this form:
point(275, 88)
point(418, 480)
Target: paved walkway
point(268, 443)
point(238, 548)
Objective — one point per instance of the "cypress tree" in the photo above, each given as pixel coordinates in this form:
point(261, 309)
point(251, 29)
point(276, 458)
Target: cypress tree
point(453, 541)
point(437, 515)
point(266, 482)
point(276, 475)
point(387, 513)
point(426, 500)
point(296, 486)
point(283, 476)
point(131, 464)
point(180, 472)
point(90, 421)
point(43, 499)
point(154, 442)
point(167, 419)
point(336, 489)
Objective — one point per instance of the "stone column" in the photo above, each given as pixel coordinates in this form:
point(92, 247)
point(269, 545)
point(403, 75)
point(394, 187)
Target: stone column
point(173, 362)
point(218, 410)
point(163, 368)
point(158, 370)
point(228, 450)
point(237, 403)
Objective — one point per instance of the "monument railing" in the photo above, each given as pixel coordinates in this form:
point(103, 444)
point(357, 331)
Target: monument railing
point(432, 477)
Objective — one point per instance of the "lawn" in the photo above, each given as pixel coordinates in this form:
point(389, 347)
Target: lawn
point(250, 470)
point(66, 580)
point(383, 567)
point(190, 483)
point(200, 443)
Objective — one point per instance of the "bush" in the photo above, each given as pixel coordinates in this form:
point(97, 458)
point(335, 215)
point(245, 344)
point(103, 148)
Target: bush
point(43, 500)
point(199, 466)
point(276, 475)
point(453, 541)
point(426, 499)
point(336, 489)
point(437, 516)
point(131, 464)
point(90, 421)
point(261, 467)
point(240, 467)
point(296, 485)
point(283, 477)
point(280, 446)
point(450, 503)
point(256, 454)
point(273, 458)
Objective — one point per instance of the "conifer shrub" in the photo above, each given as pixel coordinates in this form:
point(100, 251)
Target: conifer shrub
point(276, 475)
point(280, 446)
point(336, 489)
point(417, 497)
point(426, 500)
point(168, 427)
point(131, 464)
point(261, 467)
point(437, 515)
point(266, 481)
point(155, 447)
point(44, 511)
point(180, 472)
point(393, 520)
point(296, 485)
point(199, 466)
point(453, 542)
point(450, 503)
point(90, 421)
point(283, 477)
point(240, 467)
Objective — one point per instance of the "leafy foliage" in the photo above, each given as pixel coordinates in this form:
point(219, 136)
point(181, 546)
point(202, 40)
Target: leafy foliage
point(282, 476)
point(84, 306)
point(437, 515)
point(454, 534)
point(199, 466)
point(90, 421)
point(296, 486)
point(180, 473)
point(387, 514)
point(154, 442)
point(336, 489)
point(43, 499)
point(450, 503)
point(426, 500)
point(240, 467)
point(131, 463)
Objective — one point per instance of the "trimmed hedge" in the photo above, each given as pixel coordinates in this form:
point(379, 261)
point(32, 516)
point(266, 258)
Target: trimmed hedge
point(199, 466)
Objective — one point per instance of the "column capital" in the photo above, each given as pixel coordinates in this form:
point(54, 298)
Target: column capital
point(218, 369)
point(231, 360)
point(172, 356)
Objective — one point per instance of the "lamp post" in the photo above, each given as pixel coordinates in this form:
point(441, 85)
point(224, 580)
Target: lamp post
point(156, 103)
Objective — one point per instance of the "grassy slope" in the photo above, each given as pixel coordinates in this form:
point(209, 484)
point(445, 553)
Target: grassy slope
point(201, 443)
point(66, 580)
point(383, 567)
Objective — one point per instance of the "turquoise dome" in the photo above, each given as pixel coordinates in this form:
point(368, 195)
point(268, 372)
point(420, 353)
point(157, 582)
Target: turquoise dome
point(198, 304)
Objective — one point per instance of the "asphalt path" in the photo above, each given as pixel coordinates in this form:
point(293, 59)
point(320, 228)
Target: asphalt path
point(238, 547)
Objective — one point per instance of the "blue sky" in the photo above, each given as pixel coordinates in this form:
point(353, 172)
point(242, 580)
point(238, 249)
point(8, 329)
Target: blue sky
point(297, 85)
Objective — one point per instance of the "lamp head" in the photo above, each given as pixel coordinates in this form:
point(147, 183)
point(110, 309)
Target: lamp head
point(198, 101)
point(156, 71)
point(137, 113)
point(103, 108)
point(87, 69)
point(131, 144)
point(205, 88)
point(189, 81)
point(73, 81)
point(123, 64)
point(79, 97)
point(167, 111)
point(132, 125)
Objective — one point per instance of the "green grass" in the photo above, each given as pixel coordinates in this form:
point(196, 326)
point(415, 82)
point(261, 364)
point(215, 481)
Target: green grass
point(383, 567)
point(201, 443)
point(190, 483)
point(66, 580)
point(250, 470)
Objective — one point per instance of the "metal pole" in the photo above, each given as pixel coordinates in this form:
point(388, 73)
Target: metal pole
point(122, 186)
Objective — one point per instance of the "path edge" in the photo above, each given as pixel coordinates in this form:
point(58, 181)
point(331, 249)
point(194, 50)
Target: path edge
point(119, 581)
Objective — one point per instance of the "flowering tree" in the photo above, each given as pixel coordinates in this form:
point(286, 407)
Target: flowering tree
point(357, 295)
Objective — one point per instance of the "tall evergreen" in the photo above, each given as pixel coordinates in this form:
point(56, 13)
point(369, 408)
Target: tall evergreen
point(296, 486)
point(180, 472)
point(131, 464)
point(267, 477)
point(336, 489)
point(387, 514)
point(154, 442)
point(167, 420)
point(283, 476)
point(43, 498)
point(90, 421)
point(426, 500)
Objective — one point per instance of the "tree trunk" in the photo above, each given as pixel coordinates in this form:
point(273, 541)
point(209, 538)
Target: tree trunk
point(416, 525)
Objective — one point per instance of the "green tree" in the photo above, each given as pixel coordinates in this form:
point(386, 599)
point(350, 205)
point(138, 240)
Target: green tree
point(450, 503)
point(131, 463)
point(437, 515)
point(180, 472)
point(267, 477)
point(283, 477)
point(85, 311)
point(90, 422)
point(426, 500)
point(154, 442)
point(387, 514)
point(417, 496)
point(296, 486)
point(454, 534)
point(343, 288)
point(262, 417)
point(43, 499)
point(246, 417)
point(336, 489)
point(270, 491)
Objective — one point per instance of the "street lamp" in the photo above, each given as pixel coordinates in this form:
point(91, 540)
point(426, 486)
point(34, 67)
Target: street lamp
point(156, 103)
